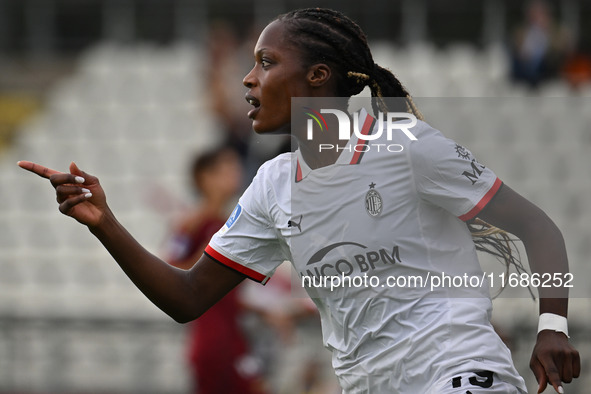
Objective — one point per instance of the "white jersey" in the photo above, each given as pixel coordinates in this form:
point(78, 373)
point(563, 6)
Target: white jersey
point(387, 216)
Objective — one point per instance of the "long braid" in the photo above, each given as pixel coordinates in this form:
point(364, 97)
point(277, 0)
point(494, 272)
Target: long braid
point(328, 36)
point(498, 243)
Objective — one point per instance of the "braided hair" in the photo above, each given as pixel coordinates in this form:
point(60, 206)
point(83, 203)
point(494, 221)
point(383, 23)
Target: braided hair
point(328, 36)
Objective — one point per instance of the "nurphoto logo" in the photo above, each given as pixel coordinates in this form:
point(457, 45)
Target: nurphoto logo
point(389, 121)
point(367, 125)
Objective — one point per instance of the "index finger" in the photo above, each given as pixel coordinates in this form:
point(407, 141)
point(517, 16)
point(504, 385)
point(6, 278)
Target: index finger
point(38, 169)
point(553, 375)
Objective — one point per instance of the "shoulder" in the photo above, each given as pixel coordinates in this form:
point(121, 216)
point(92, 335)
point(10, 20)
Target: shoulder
point(430, 143)
point(271, 182)
point(275, 170)
point(279, 162)
point(426, 134)
point(434, 156)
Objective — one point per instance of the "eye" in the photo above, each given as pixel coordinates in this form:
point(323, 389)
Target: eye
point(265, 63)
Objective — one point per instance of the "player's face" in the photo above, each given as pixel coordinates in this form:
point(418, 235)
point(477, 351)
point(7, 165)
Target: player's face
point(277, 75)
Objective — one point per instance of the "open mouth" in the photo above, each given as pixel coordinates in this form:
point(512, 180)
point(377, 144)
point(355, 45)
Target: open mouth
point(252, 100)
point(255, 103)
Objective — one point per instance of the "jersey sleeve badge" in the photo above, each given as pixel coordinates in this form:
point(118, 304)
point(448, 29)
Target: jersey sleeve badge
point(232, 219)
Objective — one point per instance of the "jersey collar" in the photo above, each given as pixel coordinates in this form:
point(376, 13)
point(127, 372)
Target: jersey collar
point(352, 153)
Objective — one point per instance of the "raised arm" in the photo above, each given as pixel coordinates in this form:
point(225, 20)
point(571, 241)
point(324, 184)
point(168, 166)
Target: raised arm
point(183, 295)
point(553, 360)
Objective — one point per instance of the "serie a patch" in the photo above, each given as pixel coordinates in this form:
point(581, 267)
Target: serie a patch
point(232, 219)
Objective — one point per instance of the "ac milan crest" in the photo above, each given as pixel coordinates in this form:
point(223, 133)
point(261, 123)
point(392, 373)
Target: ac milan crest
point(373, 201)
point(462, 152)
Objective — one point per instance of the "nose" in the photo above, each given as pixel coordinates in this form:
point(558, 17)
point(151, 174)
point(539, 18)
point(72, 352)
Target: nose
point(249, 79)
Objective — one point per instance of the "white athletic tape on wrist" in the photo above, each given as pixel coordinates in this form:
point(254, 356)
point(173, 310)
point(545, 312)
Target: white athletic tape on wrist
point(551, 321)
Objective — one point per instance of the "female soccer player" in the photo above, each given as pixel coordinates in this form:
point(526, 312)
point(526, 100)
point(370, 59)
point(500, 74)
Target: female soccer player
point(400, 214)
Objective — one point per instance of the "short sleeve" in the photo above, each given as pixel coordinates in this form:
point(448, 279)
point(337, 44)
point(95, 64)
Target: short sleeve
point(448, 175)
point(248, 242)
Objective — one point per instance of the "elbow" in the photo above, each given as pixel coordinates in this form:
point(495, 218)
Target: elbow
point(183, 318)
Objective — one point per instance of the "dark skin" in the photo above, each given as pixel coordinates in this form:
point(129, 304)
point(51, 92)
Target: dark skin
point(554, 359)
point(277, 76)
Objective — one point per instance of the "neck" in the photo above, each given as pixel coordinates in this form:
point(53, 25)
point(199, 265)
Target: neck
point(322, 151)
point(325, 147)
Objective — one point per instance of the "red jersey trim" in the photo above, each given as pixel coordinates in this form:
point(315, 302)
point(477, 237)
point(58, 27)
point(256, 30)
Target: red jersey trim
point(365, 130)
point(482, 203)
point(298, 172)
point(220, 258)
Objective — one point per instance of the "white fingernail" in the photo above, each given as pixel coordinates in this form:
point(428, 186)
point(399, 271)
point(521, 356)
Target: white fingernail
point(88, 195)
point(79, 179)
point(560, 390)
point(85, 190)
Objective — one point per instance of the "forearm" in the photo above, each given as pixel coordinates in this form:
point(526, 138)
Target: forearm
point(81, 197)
point(543, 242)
point(166, 286)
point(553, 360)
point(546, 253)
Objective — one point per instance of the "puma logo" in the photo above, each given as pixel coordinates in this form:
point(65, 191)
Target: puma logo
point(293, 223)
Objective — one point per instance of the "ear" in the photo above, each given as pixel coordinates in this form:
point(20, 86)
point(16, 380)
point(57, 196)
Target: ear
point(319, 74)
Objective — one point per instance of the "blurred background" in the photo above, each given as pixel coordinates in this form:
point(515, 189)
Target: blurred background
point(135, 90)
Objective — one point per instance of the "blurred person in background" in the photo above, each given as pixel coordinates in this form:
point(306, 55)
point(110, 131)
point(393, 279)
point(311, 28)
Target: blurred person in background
point(227, 353)
point(219, 355)
point(228, 57)
point(539, 47)
point(297, 361)
point(577, 70)
point(223, 77)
